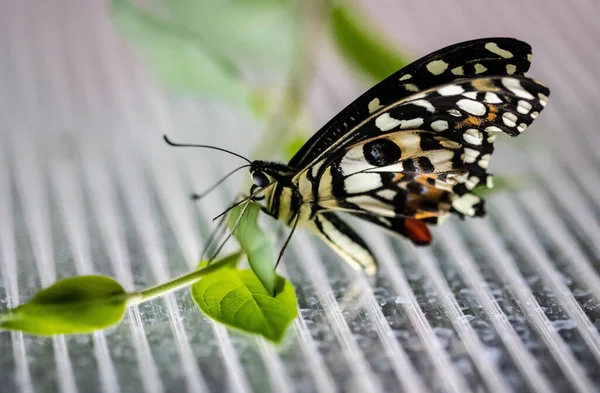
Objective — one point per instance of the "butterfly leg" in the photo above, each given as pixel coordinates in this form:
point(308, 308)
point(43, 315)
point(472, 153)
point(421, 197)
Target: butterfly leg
point(345, 242)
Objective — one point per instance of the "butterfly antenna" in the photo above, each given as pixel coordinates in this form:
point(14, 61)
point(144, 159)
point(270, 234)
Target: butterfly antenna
point(196, 197)
point(241, 201)
point(235, 226)
point(213, 236)
point(171, 143)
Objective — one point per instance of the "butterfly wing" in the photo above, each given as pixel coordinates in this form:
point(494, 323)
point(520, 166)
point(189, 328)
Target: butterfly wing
point(422, 158)
point(487, 56)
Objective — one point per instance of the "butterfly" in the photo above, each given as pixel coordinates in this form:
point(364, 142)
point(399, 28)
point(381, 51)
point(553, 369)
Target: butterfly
point(407, 153)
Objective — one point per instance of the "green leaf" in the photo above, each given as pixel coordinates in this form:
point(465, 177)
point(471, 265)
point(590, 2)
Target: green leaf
point(181, 58)
point(256, 33)
point(293, 144)
point(70, 306)
point(361, 46)
point(238, 299)
point(255, 245)
point(508, 184)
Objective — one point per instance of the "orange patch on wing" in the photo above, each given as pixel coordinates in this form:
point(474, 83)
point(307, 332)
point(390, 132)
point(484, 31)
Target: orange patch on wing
point(492, 112)
point(417, 231)
point(469, 121)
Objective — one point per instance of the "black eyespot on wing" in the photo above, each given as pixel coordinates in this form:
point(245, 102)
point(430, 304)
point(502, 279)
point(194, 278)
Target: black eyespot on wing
point(381, 152)
point(260, 179)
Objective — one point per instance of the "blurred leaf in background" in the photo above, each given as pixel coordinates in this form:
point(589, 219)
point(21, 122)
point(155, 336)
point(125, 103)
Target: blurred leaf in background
point(360, 44)
point(209, 47)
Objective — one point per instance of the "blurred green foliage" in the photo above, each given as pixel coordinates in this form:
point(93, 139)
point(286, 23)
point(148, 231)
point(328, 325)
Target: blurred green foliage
point(362, 46)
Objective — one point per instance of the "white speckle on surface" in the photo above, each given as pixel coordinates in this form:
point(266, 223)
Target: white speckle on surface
point(454, 112)
point(405, 77)
point(437, 67)
point(472, 107)
point(494, 48)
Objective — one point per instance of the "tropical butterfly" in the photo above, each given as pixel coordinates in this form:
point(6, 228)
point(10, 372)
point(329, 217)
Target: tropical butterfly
point(409, 151)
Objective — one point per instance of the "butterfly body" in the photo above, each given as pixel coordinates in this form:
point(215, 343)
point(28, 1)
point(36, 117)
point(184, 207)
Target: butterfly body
point(410, 151)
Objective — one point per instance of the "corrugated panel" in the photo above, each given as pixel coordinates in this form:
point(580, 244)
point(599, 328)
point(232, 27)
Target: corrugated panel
point(509, 303)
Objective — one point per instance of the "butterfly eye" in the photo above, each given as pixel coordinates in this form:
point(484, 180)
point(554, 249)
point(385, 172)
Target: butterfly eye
point(260, 179)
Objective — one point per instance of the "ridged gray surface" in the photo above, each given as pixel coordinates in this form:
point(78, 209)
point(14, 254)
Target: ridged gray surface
point(509, 303)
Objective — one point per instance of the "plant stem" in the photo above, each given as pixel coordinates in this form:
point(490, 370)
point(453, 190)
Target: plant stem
point(183, 281)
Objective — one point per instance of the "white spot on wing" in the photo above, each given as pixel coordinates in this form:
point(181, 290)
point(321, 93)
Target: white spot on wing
point(543, 99)
point(385, 122)
point(489, 181)
point(493, 129)
point(523, 107)
point(465, 204)
point(494, 48)
point(447, 143)
point(472, 182)
point(437, 67)
point(511, 69)
point(405, 77)
point(458, 71)
point(374, 105)
point(473, 136)
point(470, 94)
point(425, 104)
point(480, 68)
point(510, 119)
point(470, 155)
point(387, 194)
point(411, 124)
point(411, 87)
point(472, 107)
point(454, 112)
point(521, 127)
point(452, 90)
point(439, 125)
point(362, 182)
point(515, 87)
point(492, 98)
point(484, 161)
point(534, 114)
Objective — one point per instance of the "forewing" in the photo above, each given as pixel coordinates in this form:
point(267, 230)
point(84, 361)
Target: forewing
point(487, 56)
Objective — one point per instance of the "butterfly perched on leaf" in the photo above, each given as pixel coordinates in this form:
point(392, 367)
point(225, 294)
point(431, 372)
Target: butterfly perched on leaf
point(410, 151)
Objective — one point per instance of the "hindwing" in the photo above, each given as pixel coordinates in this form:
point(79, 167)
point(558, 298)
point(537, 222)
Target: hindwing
point(421, 158)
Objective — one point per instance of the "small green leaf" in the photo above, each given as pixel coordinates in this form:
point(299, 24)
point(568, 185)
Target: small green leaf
point(238, 299)
point(180, 57)
point(361, 46)
point(255, 245)
point(70, 306)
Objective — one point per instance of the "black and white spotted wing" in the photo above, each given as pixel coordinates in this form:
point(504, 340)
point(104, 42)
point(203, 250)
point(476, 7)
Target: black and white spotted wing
point(487, 56)
point(423, 156)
